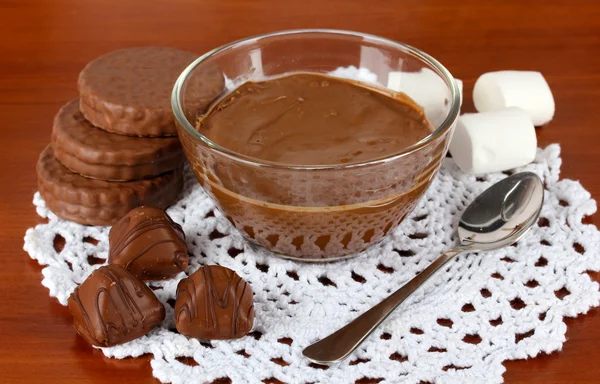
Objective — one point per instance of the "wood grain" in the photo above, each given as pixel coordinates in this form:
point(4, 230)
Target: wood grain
point(44, 44)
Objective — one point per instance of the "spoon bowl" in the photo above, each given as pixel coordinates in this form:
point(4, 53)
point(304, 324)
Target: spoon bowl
point(498, 217)
point(503, 213)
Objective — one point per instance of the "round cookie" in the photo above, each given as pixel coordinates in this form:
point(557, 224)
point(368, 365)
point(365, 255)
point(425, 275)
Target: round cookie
point(97, 202)
point(129, 91)
point(96, 153)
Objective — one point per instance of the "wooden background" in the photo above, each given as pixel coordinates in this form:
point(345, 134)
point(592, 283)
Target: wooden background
point(44, 44)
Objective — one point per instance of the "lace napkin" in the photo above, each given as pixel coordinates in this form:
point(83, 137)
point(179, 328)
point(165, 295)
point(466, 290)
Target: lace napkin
point(460, 327)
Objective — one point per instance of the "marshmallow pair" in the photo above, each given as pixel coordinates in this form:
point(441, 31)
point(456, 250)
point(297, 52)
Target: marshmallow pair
point(502, 136)
point(483, 142)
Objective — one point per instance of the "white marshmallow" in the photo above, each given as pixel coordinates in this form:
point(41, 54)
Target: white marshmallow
point(527, 90)
point(427, 89)
point(460, 89)
point(353, 73)
point(493, 141)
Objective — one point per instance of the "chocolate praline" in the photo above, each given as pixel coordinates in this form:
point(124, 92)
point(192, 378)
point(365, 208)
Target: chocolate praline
point(149, 244)
point(113, 307)
point(214, 303)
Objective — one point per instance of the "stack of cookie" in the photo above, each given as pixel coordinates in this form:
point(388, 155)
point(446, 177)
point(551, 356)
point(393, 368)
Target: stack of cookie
point(115, 147)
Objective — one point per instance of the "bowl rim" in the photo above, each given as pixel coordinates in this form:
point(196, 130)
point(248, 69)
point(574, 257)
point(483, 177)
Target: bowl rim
point(248, 160)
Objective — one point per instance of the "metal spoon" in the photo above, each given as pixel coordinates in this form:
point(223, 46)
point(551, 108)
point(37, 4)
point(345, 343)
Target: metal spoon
point(498, 217)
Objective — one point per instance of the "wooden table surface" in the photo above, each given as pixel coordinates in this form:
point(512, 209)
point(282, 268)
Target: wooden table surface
point(44, 44)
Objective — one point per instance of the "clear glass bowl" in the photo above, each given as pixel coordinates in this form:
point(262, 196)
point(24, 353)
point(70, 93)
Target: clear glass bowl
point(307, 212)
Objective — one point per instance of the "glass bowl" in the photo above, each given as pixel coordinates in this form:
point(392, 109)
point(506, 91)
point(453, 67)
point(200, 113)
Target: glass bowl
point(315, 212)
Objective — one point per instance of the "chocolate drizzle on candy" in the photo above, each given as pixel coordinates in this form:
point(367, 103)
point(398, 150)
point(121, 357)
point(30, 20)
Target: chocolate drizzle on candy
point(149, 244)
point(113, 307)
point(214, 303)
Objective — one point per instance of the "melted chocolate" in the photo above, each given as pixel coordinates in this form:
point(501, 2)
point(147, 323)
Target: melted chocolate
point(148, 244)
point(214, 303)
point(313, 119)
point(113, 307)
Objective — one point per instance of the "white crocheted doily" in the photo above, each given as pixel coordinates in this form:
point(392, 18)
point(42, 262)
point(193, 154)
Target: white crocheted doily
point(460, 327)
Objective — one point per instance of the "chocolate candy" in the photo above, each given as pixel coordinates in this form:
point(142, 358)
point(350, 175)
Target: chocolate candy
point(214, 303)
point(148, 244)
point(113, 307)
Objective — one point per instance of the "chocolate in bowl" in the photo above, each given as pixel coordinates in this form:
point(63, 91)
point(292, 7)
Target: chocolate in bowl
point(311, 211)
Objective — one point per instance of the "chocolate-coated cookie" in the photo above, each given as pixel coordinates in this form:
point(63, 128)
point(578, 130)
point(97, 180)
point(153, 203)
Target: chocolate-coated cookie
point(96, 153)
point(129, 91)
point(98, 202)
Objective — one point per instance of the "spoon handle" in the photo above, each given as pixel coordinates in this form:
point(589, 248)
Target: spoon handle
point(340, 344)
